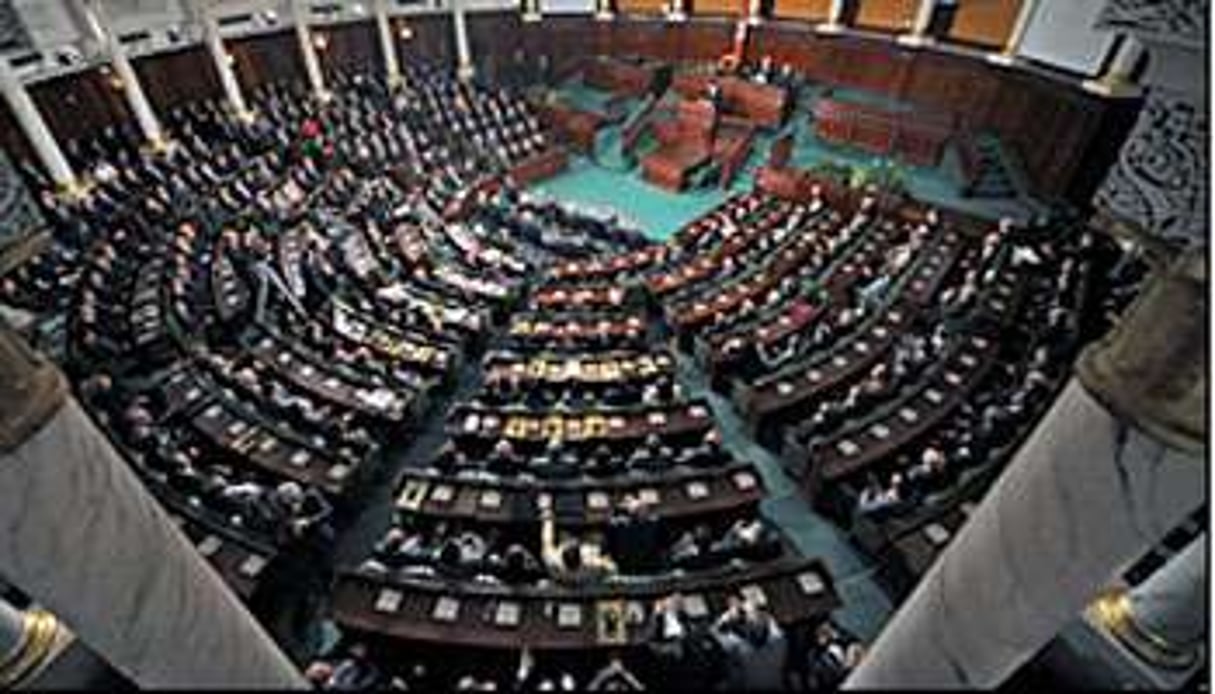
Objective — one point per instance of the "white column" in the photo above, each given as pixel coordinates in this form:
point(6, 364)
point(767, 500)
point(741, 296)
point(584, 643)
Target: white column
point(920, 25)
point(754, 9)
point(1008, 55)
point(1117, 82)
point(679, 11)
point(149, 124)
point(388, 44)
point(835, 19)
point(1163, 619)
point(81, 535)
point(464, 68)
point(312, 64)
point(1089, 492)
point(532, 12)
point(223, 65)
point(603, 10)
point(36, 130)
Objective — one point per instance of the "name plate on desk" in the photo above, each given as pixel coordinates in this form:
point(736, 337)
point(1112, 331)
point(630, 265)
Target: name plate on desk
point(697, 490)
point(811, 583)
point(388, 601)
point(879, 431)
point(908, 415)
point(839, 361)
point(814, 375)
point(598, 501)
point(880, 332)
point(952, 378)
point(744, 481)
point(649, 495)
point(968, 360)
point(610, 625)
point(339, 472)
point(447, 609)
point(934, 396)
point(252, 565)
point(754, 594)
point(656, 419)
point(569, 615)
point(209, 545)
point(412, 495)
point(442, 493)
point(847, 447)
point(300, 459)
point(784, 387)
point(508, 614)
point(491, 498)
point(267, 444)
point(861, 346)
point(937, 534)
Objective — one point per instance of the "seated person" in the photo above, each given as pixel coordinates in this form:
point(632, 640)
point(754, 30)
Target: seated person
point(571, 560)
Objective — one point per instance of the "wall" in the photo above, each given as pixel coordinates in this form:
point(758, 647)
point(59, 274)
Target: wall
point(1055, 127)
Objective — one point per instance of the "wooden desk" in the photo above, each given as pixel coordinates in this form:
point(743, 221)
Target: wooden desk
point(559, 618)
point(676, 496)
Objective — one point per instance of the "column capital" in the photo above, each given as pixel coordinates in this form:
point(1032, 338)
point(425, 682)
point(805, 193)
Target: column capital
point(1150, 370)
point(32, 389)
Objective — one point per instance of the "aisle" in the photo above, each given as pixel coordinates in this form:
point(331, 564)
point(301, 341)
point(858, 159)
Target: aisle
point(866, 606)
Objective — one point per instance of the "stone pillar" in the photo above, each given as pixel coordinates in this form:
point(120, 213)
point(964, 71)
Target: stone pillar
point(149, 124)
point(1115, 464)
point(1163, 619)
point(603, 11)
point(1117, 80)
point(464, 66)
point(388, 44)
point(1008, 55)
point(835, 19)
point(36, 131)
point(223, 64)
point(28, 643)
point(754, 12)
point(679, 11)
point(81, 535)
point(312, 64)
point(920, 25)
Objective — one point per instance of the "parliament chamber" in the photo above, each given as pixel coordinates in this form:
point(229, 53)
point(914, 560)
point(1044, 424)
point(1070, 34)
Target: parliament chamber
point(603, 344)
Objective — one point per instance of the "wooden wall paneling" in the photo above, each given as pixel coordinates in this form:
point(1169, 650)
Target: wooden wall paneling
point(12, 138)
point(984, 22)
point(868, 65)
point(174, 79)
point(893, 16)
point(805, 10)
point(267, 58)
point(961, 86)
point(80, 104)
point(494, 50)
point(432, 40)
point(352, 46)
point(706, 40)
point(639, 38)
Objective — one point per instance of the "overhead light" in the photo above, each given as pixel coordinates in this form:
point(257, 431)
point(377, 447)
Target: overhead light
point(320, 41)
point(358, 9)
point(405, 32)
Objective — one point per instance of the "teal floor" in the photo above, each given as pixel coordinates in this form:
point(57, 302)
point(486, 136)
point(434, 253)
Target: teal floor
point(650, 209)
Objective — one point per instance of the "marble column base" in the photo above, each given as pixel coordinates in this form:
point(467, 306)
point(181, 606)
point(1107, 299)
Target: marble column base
point(1085, 495)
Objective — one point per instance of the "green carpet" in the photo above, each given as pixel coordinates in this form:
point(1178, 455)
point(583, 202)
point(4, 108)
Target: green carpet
point(654, 211)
